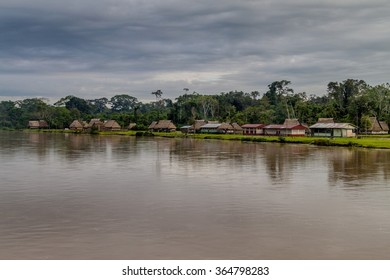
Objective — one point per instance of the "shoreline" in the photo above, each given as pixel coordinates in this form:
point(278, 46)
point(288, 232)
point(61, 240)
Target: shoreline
point(363, 141)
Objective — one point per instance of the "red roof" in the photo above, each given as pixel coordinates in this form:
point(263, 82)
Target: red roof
point(282, 126)
point(255, 125)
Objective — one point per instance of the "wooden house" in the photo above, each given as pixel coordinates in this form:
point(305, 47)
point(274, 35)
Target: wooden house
point(332, 129)
point(253, 129)
point(38, 124)
point(290, 127)
point(162, 126)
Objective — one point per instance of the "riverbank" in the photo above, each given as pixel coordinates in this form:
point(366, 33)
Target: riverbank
point(365, 141)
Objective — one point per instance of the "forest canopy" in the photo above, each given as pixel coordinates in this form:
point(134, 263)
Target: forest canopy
point(352, 101)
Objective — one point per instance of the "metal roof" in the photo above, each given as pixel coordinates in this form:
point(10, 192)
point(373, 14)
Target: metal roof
point(333, 125)
point(211, 125)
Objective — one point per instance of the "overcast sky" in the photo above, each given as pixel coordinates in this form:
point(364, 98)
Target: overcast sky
point(96, 48)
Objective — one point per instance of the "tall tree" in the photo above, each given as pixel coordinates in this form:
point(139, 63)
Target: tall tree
point(341, 95)
point(277, 90)
point(123, 103)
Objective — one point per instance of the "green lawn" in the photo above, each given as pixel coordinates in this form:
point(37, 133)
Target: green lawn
point(366, 141)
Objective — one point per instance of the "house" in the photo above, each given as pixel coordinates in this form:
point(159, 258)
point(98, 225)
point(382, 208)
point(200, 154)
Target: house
point(152, 125)
point(186, 129)
point(377, 127)
point(290, 127)
point(132, 126)
point(38, 124)
point(253, 129)
point(210, 128)
point(237, 129)
point(197, 125)
point(225, 128)
point(76, 125)
point(95, 123)
point(332, 129)
point(162, 126)
point(111, 125)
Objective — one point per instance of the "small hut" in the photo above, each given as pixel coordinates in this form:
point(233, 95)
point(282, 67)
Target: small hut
point(132, 126)
point(377, 127)
point(38, 124)
point(96, 124)
point(197, 125)
point(237, 129)
point(111, 125)
point(162, 126)
point(76, 125)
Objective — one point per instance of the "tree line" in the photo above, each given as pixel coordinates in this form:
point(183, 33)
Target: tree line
point(352, 101)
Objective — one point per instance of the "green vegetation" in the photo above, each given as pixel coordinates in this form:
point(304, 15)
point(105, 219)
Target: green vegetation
point(350, 101)
point(365, 142)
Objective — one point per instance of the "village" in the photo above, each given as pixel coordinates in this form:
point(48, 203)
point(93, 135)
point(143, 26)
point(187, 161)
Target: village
point(325, 127)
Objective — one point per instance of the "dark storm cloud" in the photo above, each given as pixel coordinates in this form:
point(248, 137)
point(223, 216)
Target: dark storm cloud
point(100, 48)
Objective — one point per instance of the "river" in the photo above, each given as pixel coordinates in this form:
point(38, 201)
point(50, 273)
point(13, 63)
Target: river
point(66, 196)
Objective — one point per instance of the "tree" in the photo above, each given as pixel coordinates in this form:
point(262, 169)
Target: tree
point(75, 103)
point(99, 105)
point(255, 94)
point(277, 90)
point(379, 101)
point(123, 103)
point(341, 95)
point(158, 93)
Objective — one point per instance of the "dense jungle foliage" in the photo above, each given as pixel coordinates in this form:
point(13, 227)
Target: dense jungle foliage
point(352, 101)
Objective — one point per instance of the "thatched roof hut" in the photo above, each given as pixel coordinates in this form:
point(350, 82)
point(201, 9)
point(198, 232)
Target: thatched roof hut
point(95, 122)
point(237, 128)
point(291, 122)
point(152, 125)
point(132, 126)
point(198, 123)
point(226, 128)
point(162, 126)
point(111, 125)
point(378, 127)
point(76, 125)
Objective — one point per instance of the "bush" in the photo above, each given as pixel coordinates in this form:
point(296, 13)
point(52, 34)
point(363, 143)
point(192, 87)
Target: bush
point(322, 142)
point(144, 133)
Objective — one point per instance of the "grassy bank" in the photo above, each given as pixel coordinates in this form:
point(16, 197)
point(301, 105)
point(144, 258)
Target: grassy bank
point(369, 141)
point(363, 142)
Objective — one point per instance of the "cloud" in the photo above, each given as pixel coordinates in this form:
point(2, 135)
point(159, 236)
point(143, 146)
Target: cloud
point(97, 48)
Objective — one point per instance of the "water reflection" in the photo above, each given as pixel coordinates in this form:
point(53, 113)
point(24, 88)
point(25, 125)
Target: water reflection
point(116, 197)
point(358, 167)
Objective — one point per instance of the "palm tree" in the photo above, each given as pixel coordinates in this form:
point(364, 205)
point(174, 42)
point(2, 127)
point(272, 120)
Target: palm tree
point(158, 93)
